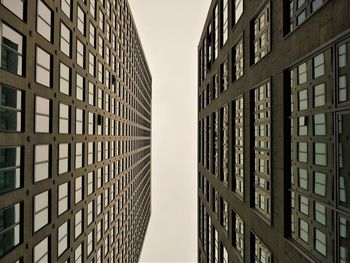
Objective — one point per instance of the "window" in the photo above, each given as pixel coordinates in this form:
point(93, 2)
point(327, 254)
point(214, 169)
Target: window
point(100, 72)
point(343, 254)
point(224, 214)
point(304, 230)
point(11, 109)
point(301, 17)
point(91, 123)
point(15, 6)
point(11, 49)
point(106, 133)
point(99, 98)
point(42, 162)
point(107, 74)
point(79, 121)
point(106, 195)
point(41, 253)
point(114, 69)
point(101, 20)
point(99, 129)
point(342, 88)
point(106, 173)
point(66, 7)
point(80, 54)
point(302, 152)
point(79, 155)
point(90, 183)
point(303, 101)
point(63, 198)
point(320, 183)
point(93, 8)
point(300, 3)
point(92, 33)
point(262, 253)
point(44, 20)
point(262, 43)
point(224, 146)
point(65, 39)
point(10, 228)
point(78, 254)
point(99, 255)
point(320, 242)
point(304, 205)
point(224, 21)
point(238, 237)
point(342, 190)
point(303, 178)
point(238, 146)
point(108, 55)
point(320, 213)
point(64, 118)
point(78, 224)
point(320, 157)
point(80, 87)
point(65, 79)
point(42, 115)
point(318, 65)
point(99, 204)
point(91, 64)
point(224, 256)
point(91, 94)
point(216, 246)
point(342, 56)
point(216, 31)
point(238, 60)
point(90, 242)
point(10, 169)
point(43, 67)
point(238, 9)
point(309, 142)
point(63, 158)
point(215, 203)
point(316, 4)
point(302, 74)
point(62, 238)
point(112, 111)
point(302, 126)
point(343, 225)
point(100, 46)
point(320, 95)
point(224, 76)
point(78, 189)
point(262, 141)
point(299, 11)
point(41, 210)
point(81, 20)
point(320, 124)
point(90, 213)
point(99, 231)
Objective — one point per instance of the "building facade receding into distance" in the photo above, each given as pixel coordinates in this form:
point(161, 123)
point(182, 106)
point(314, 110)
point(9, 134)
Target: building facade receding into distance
point(274, 132)
point(75, 132)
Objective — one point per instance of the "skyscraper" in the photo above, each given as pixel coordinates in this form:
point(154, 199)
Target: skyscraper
point(273, 128)
point(75, 132)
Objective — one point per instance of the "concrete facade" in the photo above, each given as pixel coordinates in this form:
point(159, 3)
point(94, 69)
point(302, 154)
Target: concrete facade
point(272, 183)
point(75, 133)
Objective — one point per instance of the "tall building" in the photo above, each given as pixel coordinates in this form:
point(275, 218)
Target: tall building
point(274, 140)
point(75, 132)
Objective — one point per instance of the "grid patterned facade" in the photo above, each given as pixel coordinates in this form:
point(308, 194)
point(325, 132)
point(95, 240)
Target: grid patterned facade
point(273, 122)
point(75, 132)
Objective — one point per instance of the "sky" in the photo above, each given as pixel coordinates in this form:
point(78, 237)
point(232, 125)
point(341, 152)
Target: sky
point(170, 31)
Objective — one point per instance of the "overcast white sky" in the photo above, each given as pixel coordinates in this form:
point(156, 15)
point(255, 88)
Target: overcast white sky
point(170, 32)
